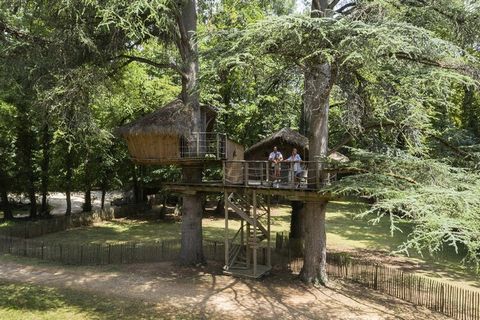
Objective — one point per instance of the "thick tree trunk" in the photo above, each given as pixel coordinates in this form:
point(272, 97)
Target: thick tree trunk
point(314, 269)
point(319, 79)
point(296, 220)
point(191, 252)
point(87, 205)
point(297, 228)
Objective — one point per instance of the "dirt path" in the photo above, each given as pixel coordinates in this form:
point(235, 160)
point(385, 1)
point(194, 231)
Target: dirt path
point(215, 296)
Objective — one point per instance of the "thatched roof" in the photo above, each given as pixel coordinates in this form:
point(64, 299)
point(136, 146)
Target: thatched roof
point(284, 135)
point(292, 137)
point(174, 118)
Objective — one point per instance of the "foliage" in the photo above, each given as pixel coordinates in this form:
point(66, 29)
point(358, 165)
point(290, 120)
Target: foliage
point(442, 201)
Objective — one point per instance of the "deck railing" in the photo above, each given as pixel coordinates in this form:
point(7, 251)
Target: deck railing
point(204, 145)
point(286, 174)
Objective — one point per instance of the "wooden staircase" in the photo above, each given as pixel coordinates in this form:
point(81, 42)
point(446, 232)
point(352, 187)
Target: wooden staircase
point(250, 237)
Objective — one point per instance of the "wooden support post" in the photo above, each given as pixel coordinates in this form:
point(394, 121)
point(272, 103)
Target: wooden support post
point(225, 194)
point(267, 171)
point(317, 175)
point(224, 172)
point(254, 204)
point(242, 236)
point(198, 145)
point(269, 240)
point(218, 146)
point(245, 173)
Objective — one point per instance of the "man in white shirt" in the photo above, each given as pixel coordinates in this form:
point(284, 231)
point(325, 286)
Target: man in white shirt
point(275, 158)
point(297, 166)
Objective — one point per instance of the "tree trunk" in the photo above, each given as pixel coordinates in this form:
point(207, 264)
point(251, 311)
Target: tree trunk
point(296, 221)
point(318, 84)
point(314, 269)
point(68, 181)
point(7, 210)
point(46, 139)
point(297, 229)
point(87, 205)
point(469, 114)
point(104, 191)
point(191, 252)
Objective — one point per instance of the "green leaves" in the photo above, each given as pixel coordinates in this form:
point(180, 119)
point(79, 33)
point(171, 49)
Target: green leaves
point(443, 203)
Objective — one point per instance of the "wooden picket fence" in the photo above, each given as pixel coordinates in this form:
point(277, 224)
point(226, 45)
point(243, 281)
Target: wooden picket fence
point(38, 228)
point(101, 254)
point(451, 300)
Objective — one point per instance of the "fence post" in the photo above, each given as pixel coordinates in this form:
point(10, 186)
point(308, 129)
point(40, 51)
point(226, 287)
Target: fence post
point(42, 248)
point(375, 279)
point(109, 252)
point(442, 298)
point(81, 254)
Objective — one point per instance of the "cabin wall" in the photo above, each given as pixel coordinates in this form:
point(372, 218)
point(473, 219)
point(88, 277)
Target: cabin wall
point(145, 148)
point(234, 171)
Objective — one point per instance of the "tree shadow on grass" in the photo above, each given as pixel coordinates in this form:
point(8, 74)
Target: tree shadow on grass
point(38, 302)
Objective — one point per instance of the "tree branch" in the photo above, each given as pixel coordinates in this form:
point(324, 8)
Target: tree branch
point(361, 170)
point(173, 66)
point(349, 136)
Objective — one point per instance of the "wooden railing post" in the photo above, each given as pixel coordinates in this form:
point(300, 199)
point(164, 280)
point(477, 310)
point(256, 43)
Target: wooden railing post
point(198, 144)
point(267, 172)
point(218, 146)
point(245, 174)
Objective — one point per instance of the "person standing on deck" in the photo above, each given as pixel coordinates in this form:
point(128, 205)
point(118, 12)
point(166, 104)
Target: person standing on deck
point(275, 158)
point(297, 167)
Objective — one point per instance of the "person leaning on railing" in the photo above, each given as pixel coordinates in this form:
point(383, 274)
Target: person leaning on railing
point(275, 158)
point(297, 166)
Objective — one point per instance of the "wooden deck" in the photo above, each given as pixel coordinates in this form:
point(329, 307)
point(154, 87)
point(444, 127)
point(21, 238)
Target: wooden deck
point(295, 194)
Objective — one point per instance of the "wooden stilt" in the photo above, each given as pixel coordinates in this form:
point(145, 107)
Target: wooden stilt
point(254, 253)
point(269, 235)
point(225, 194)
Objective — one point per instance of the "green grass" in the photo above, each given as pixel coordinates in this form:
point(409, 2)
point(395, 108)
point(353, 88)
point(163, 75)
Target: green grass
point(27, 301)
point(124, 230)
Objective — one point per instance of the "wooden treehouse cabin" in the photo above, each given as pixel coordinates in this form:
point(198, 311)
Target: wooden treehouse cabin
point(165, 137)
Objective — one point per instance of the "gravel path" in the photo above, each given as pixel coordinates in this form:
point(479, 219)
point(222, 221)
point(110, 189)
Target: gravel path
point(216, 296)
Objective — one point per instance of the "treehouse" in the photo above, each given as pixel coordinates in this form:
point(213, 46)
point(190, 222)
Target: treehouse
point(165, 137)
point(285, 140)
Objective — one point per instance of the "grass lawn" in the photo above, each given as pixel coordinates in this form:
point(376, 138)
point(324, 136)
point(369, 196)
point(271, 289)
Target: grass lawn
point(26, 301)
point(344, 232)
